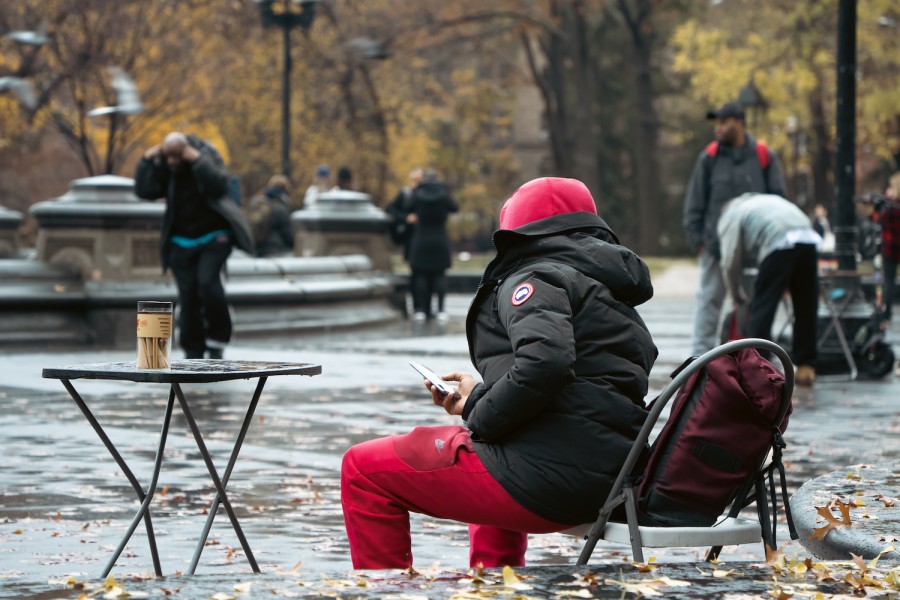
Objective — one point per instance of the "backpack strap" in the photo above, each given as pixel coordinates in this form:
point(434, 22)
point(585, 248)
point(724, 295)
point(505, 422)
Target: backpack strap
point(762, 152)
point(776, 465)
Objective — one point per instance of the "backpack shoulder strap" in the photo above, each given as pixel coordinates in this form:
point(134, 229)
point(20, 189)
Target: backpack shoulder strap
point(762, 154)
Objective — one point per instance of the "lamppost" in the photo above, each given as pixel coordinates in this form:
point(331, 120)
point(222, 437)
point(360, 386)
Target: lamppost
point(798, 148)
point(286, 14)
point(751, 99)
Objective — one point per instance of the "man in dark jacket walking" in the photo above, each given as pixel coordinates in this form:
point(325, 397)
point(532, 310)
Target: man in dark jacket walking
point(564, 360)
point(199, 227)
point(734, 164)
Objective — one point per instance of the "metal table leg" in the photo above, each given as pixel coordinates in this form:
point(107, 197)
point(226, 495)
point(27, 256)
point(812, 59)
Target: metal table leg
point(144, 510)
point(220, 489)
point(234, 454)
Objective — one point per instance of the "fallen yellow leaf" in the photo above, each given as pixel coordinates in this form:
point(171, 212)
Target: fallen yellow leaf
point(243, 588)
point(510, 579)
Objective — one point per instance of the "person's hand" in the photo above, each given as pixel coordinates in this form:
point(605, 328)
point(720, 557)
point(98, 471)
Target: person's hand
point(412, 218)
point(153, 152)
point(455, 402)
point(190, 154)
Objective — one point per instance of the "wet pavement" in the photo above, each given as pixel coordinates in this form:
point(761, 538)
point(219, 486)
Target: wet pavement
point(64, 504)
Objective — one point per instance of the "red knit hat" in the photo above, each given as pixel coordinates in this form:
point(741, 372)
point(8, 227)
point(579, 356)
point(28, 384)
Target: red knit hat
point(545, 197)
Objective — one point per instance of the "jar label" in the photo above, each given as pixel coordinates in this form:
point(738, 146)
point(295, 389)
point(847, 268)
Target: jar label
point(154, 325)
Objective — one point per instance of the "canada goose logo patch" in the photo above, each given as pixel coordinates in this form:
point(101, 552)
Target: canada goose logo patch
point(522, 293)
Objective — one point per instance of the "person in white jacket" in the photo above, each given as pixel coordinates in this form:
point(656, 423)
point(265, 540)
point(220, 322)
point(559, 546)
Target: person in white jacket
point(770, 232)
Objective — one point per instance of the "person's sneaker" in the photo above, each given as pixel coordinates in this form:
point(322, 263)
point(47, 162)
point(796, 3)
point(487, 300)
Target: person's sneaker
point(216, 353)
point(419, 317)
point(805, 376)
point(443, 318)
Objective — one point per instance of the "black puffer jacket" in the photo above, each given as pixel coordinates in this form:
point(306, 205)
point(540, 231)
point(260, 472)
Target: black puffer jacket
point(565, 370)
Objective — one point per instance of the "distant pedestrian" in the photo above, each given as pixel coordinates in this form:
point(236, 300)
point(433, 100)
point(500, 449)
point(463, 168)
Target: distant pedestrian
point(200, 225)
point(399, 210)
point(321, 183)
point(735, 163)
point(429, 249)
point(269, 215)
point(344, 179)
point(769, 232)
point(822, 226)
point(890, 242)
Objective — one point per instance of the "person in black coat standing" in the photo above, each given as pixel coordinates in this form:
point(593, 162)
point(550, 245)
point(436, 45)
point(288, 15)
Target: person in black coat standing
point(429, 249)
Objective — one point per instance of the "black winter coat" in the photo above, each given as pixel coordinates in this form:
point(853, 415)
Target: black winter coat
point(208, 179)
point(566, 370)
point(429, 248)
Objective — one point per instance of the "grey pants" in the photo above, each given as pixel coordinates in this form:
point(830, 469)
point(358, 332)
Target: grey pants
point(708, 305)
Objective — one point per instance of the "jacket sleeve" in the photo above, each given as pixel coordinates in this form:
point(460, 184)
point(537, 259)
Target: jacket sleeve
point(210, 175)
point(696, 201)
point(452, 207)
point(543, 343)
point(398, 208)
point(774, 177)
point(150, 180)
point(730, 245)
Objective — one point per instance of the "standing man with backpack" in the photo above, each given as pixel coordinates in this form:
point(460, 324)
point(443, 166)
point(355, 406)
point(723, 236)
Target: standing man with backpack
point(734, 164)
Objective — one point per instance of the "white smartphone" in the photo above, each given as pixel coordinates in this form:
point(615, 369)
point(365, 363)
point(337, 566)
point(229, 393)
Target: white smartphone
point(442, 386)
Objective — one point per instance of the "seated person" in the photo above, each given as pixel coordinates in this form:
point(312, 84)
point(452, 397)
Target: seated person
point(269, 216)
point(564, 359)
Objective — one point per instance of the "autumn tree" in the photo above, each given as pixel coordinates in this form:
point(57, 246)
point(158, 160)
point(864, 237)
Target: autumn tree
point(788, 49)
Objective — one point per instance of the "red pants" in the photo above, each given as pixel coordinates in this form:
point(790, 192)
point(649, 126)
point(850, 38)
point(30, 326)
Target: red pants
point(433, 471)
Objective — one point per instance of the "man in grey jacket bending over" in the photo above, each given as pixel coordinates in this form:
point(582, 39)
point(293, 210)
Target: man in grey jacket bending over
point(771, 232)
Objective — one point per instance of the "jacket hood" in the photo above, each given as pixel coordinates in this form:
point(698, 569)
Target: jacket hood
point(430, 190)
point(583, 241)
point(545, 197)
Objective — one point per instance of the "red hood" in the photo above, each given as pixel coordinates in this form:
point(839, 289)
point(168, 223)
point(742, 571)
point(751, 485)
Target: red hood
point(545, 197)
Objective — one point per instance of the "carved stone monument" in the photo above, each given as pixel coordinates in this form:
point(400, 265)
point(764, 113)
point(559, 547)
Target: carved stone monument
point(9, 223)
point(102, 229)
point(98, 254)
point(343, 222)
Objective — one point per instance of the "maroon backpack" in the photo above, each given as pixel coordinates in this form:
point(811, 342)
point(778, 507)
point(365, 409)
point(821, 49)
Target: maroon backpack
point(721, 426)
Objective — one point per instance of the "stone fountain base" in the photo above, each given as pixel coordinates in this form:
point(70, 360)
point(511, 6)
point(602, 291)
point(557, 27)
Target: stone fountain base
point(51, 305)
